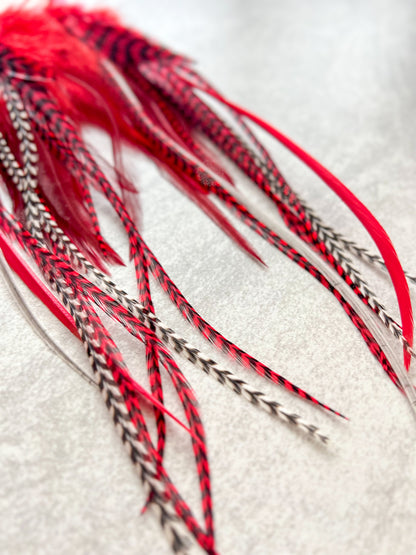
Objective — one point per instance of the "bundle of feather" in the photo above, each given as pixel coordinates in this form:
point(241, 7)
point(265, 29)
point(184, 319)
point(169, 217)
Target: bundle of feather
point(63, 67)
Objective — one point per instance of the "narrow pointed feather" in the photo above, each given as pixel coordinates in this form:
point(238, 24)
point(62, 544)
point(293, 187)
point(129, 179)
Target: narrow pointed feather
point(67, 140)
point(38, 288)
point(184, 391)
point(374, 228)
point(201, 199)
point(96, 338)
point(6, 270)
point(175, 124)
point(267, 177)
point(72, 151)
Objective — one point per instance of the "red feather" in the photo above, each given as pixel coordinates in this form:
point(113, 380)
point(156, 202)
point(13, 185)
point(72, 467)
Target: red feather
point(373, 226)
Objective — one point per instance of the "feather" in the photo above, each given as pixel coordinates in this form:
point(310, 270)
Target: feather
point(374, 228)
point(62, 68)
point(36, 326)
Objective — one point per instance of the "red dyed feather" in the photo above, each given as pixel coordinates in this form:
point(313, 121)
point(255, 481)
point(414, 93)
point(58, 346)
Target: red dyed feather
point(63, 68)
point(17, 264)
point(372, 225)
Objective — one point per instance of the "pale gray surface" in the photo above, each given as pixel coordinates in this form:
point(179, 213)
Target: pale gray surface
point(338, 77)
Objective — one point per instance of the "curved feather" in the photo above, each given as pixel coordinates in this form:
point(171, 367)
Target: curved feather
point(374, 228)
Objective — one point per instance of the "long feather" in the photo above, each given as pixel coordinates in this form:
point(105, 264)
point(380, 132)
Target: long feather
point(266, 175)
point(64, 67)
point(374, 228)
point(34, 323)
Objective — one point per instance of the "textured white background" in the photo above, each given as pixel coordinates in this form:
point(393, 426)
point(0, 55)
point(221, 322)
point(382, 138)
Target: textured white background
point(338, 77)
